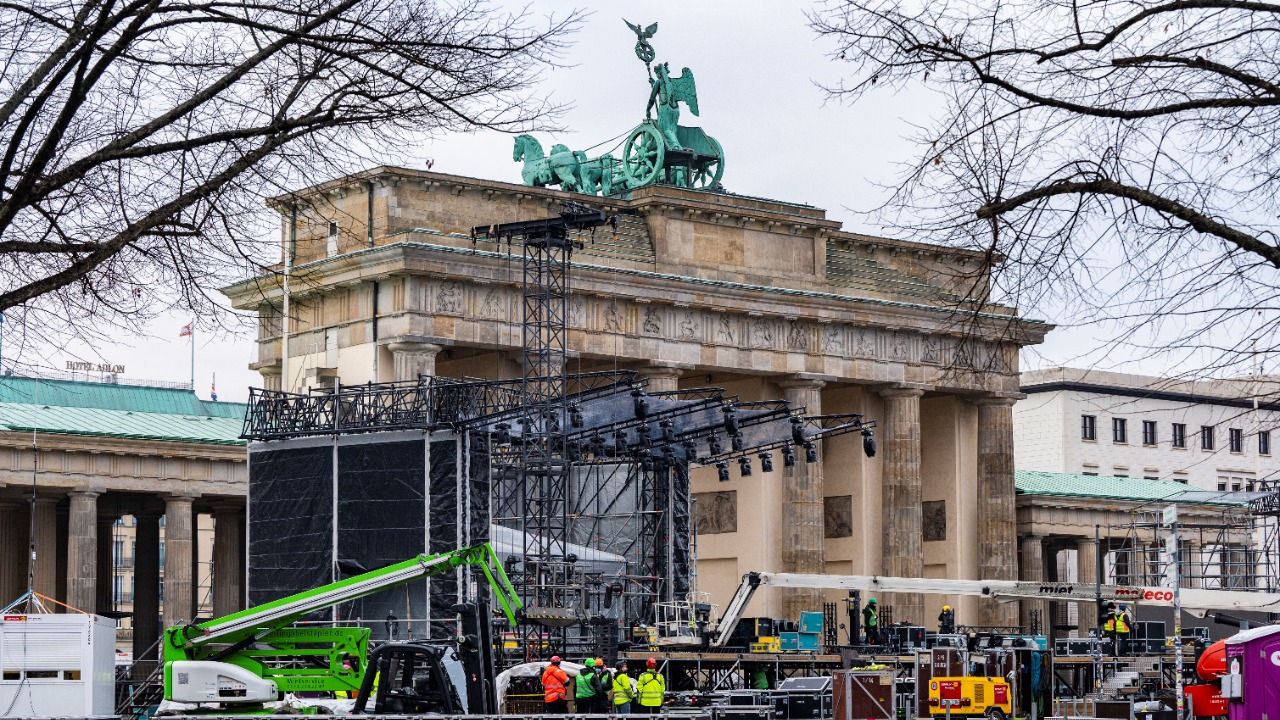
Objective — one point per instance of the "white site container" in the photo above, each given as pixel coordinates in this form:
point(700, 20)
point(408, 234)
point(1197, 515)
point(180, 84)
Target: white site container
point(57, 665)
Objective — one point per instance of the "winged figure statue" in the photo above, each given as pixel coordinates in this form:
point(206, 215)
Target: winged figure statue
point(644, 50)
point(666, 94)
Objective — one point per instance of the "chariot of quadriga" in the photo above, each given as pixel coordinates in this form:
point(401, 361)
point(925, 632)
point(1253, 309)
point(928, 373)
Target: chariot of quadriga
point(657, 151)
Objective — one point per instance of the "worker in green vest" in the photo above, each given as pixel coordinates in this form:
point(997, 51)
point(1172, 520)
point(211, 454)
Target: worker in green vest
point(623, 691)
point(760, 680)
point(585, 688)
point(871, 621)
point(651, 688)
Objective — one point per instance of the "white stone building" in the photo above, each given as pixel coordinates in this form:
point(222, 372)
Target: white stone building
point(1204, 434)
point(1217, 436)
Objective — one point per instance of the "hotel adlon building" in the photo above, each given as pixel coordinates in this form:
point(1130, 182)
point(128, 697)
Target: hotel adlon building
point(764, 298)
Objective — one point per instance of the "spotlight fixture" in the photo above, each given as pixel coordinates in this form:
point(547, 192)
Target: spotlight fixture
point(597, 445)
point(722, 470)
point(690, 450)
point(620, 440)
point(713, 443)
point(797, 430)
point(744, 466)
point(640, 404)
point(737, 443)
point(810, 452)
point(868, 442)
point(575, 416)
point(503, 436)
point(766, 462)
point(788, 456)
point(574, 451)
point(668, 431)
point(643, 432)
point(730, 419)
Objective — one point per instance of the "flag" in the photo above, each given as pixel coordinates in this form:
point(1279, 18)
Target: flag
point(213, 390)
point(186, 329)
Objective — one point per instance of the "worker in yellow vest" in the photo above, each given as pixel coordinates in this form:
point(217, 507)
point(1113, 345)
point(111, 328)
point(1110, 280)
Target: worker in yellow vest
point(1124, 624)
point(651, 688)
point(623, 691)
point(1109, 627)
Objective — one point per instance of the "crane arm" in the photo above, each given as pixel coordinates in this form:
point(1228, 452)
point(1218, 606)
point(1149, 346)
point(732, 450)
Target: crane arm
point(1193, 600)
point(287, 610)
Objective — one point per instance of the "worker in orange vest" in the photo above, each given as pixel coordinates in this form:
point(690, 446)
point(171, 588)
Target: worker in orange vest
point(553, 680)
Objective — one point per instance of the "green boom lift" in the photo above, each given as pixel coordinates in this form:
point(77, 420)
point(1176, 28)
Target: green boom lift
point(254, 656)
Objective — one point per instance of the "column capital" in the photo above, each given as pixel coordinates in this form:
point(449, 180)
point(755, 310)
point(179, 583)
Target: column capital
point(85, 493)
point(997, 399)
point(804, 381)
point(413, 344)
point(903, 390)
point(274, 369)
point(181, 497)
point(663, 370)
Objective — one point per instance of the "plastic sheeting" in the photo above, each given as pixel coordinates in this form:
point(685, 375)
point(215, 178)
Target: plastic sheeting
point(443, 524)
point(531, 669)
point(381, 521)
point(398, 494)
point(290, 519)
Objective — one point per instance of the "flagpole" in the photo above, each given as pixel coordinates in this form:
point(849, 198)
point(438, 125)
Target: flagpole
point(193, 356)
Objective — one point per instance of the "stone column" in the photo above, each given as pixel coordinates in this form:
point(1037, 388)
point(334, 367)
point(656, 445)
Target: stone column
point(1086, 574)
point(661, 377)
point(106, 564)
point(14, 553)
point(997, 516)
point(146, 587)
point(82, 551)
point(801, 531)
point(46, 551)
point(228, 568)
point(62, 573)
point(903, 517)
point(179, 583)
point(1031, 568)
point(411, 359)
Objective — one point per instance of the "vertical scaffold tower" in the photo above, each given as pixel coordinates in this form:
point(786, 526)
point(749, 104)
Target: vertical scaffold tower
point(544, 468)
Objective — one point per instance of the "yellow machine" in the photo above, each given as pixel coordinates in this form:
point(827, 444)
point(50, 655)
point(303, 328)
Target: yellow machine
point(970, 697)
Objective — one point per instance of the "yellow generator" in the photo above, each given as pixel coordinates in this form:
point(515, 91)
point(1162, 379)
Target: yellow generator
point(970, 697)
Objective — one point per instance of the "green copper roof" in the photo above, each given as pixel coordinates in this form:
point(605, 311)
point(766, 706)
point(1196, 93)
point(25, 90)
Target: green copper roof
point(70, 407)
point(109, 396)
point(1035, 482)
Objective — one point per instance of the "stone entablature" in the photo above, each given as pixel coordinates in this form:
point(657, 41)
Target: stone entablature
point(435, 292)
point(110, 464)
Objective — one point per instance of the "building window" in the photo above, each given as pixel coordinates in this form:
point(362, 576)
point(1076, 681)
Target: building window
point(1235, 487)
point(1179, 435)
point(1148, 432)
point(1264, 442)
point(1235, 438)
point(1181, 480)
point(332, 240)
point(117, 553)
point(1087, 472)
point(1206, 437)
point(1088, 427)
point(1150, 477)
point(1222, 487)
point(1119, 430)
point(1248, 487)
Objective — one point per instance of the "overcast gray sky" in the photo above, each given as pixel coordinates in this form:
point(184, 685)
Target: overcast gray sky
point(758, 67)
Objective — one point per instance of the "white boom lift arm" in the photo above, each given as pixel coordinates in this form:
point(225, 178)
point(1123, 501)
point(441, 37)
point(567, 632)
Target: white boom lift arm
point(1196, 601)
